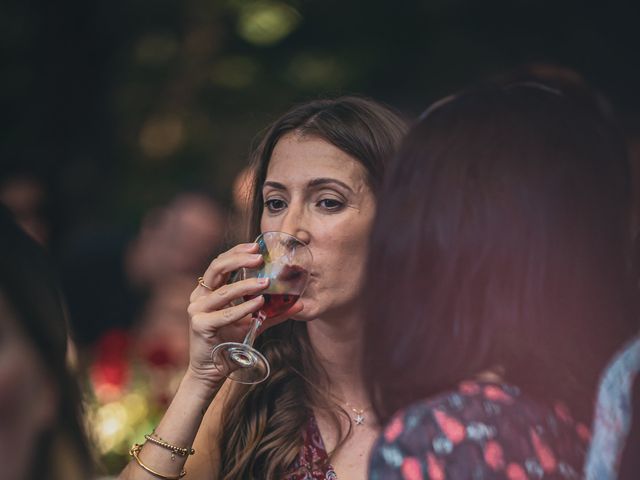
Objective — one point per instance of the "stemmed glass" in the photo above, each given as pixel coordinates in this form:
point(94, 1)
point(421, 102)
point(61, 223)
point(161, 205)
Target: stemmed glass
point(286, 263)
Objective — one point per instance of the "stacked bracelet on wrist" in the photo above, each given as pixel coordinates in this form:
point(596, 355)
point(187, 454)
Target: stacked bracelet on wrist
point(153, 438)
point(183, 452)
point(135, 450)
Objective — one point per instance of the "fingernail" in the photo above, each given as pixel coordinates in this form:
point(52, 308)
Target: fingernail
point(257, 256)
point(263, 281)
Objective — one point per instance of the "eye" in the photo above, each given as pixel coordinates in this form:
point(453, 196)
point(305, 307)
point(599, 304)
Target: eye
point(275, 205)
point(330, 204)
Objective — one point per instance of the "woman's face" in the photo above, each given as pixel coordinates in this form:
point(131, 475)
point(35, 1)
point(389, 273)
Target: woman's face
point(320, 194)
point(27, 396)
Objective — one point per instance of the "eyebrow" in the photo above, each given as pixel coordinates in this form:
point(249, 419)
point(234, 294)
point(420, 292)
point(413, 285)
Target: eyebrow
point(316, 182)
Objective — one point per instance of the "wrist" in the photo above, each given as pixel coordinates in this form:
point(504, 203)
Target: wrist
point(199, 386)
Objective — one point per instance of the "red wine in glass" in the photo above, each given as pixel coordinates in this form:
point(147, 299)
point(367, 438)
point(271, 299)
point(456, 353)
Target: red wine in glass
point(286, 263)
point(275, 303)
point(286, 280)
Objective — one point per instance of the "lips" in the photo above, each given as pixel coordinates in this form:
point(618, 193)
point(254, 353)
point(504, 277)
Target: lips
point(291, 273)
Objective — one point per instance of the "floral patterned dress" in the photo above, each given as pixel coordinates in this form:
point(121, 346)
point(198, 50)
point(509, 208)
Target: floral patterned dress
point(482, 431)
point(313, 461)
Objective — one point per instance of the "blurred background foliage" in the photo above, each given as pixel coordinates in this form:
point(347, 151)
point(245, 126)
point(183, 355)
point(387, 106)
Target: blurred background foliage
point(120, 104)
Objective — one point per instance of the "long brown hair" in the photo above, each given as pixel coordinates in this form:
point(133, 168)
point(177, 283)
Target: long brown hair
point(509, 209)
point(263, 424)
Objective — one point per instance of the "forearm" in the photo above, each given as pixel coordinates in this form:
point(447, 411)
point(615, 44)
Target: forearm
point(178, 427)
point(212, 321)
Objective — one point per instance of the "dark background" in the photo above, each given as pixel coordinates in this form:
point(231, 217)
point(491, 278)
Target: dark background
point(117, 105)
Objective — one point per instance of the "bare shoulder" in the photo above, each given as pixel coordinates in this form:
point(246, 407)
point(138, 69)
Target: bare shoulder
point(205, 464)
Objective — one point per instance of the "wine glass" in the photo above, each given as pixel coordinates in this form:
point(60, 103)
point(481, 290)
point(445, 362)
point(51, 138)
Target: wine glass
point(286, 263)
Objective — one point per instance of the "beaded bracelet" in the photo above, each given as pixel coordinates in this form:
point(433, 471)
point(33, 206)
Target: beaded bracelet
point(135, 450)
point(183, 452)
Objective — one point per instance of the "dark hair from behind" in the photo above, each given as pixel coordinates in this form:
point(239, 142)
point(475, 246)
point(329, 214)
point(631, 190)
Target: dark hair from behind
point(501, 241)
point(564, 79)
point(30, 285)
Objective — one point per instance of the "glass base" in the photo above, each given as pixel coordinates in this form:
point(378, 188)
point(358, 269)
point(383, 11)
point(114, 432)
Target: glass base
point(240, 363)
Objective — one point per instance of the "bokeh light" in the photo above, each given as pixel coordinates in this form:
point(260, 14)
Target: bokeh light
point(162, 136)
point(235, 72)
point(110, 426)
point(266, 23)
point(316, 71)
point(155, 49)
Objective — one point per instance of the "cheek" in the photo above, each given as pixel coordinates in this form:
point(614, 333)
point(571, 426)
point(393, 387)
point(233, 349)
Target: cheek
point(265, 224)
point(345, 255)
point(271, 224)
point(353, 243)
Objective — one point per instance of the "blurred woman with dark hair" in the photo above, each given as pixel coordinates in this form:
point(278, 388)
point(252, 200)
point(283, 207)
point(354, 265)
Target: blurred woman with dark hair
point(41, 433)
point(498, 286)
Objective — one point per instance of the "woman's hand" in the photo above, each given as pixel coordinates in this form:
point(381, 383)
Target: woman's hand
point(217, 318)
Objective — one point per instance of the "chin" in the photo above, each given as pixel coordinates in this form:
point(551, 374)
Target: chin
point(306, 315)
point(302, 318)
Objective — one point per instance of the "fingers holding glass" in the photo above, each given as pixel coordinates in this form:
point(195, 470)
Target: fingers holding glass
point(226, 295)
point(211, 323)
point(221, 268)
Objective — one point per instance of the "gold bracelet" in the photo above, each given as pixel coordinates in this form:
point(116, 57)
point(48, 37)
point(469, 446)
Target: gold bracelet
point(183, 452)
point(135, 450)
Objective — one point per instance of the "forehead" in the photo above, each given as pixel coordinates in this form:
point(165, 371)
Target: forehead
point(297, 158)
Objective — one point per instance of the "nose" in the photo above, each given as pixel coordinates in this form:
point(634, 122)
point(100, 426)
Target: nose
point(295, 223)
point(303, 236)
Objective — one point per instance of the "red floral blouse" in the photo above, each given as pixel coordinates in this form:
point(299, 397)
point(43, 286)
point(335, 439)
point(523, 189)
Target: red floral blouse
point(482, 431)
point(313, 461)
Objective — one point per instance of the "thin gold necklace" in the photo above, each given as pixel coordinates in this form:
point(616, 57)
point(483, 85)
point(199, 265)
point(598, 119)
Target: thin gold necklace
point(358, 418)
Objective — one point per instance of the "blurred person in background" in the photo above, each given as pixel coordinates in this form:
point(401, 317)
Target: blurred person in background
point(499, 285)
point(317, 171)
point(135, 310)
point(161, 331)
point(567, 80)
point(174, 240)
point(616, 430)
point(41, 432)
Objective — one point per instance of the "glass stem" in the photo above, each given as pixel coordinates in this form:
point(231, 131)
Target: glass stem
point(256, 321)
